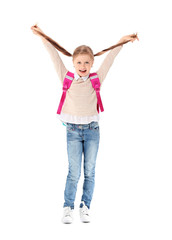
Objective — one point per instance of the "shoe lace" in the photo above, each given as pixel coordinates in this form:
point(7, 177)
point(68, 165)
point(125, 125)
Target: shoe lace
point(84, 210)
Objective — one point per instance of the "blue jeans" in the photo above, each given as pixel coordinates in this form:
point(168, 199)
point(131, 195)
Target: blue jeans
point(81, 139)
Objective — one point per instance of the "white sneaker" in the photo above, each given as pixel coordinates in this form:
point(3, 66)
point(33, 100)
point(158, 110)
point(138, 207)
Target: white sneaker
point(67, 215)
point(84, 213)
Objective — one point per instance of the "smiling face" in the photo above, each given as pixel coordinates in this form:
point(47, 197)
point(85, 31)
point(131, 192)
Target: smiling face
point(82, 64)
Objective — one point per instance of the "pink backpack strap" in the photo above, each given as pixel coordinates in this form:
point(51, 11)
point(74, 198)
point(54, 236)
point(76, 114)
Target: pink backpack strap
point(66, 85)
point(96, 85)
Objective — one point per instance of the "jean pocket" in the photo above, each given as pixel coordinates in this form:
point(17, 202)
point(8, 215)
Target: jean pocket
point(95, 126)
point(69, 127)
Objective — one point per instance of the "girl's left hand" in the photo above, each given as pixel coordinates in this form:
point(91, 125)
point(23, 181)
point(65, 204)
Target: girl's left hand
point(130, 38)
point(36, 29)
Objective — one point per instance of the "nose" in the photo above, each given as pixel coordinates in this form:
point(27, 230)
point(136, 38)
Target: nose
point(83, 65)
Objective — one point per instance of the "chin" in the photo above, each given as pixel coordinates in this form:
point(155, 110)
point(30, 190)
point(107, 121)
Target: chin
point(84, 75)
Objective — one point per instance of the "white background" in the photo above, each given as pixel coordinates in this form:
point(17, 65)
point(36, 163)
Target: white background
point(132, 198)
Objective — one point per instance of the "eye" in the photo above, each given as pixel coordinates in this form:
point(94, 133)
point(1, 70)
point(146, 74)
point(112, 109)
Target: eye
point(87, 62)
point(78, 62)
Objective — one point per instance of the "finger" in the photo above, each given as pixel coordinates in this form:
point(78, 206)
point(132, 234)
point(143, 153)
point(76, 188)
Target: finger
point(36, 24)
point(132, 35)
point(33, 27)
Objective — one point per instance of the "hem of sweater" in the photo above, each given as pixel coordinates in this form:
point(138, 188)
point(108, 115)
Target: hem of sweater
point(68, 118)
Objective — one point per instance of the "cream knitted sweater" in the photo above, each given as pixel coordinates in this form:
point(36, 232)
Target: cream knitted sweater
point(81, 101)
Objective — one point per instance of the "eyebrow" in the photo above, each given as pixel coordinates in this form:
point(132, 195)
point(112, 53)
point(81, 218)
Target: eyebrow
point(81, 61)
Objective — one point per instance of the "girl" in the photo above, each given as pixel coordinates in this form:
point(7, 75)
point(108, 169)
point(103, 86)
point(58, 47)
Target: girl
point(80, 114)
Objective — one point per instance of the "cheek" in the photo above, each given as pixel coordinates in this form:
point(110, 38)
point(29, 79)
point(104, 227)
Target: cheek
point(75, 66)
point(90, 66)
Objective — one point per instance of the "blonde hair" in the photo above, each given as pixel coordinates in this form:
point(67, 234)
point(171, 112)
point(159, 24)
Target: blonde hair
point(81, 49)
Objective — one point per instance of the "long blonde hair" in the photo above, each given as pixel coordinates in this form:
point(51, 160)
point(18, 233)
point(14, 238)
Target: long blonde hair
point(83, 49)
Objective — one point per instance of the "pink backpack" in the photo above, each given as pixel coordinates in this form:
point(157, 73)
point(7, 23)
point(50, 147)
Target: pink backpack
point(67, 83)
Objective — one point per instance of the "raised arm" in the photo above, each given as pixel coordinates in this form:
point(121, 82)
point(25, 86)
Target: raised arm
point(108, 61)
point(58, 63)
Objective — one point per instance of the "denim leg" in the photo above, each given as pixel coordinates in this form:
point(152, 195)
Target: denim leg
point(91, 145)
point(74, 149)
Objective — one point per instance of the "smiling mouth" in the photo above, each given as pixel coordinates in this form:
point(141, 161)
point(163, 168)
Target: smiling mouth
point(83, 71)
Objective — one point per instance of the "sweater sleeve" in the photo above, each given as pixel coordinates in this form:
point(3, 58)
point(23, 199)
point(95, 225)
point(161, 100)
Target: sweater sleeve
point(58, 63)
point(107, 63)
